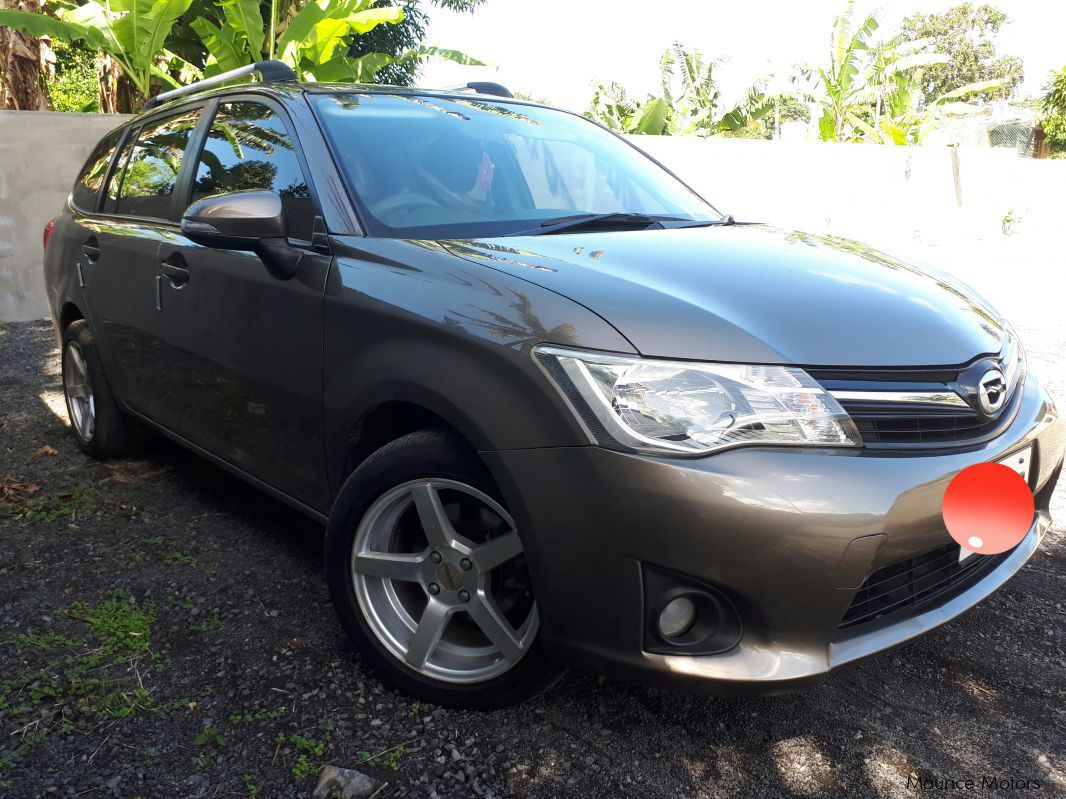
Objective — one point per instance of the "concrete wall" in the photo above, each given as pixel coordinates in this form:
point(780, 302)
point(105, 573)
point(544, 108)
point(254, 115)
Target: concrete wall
point(41, 152)
point(885, 195)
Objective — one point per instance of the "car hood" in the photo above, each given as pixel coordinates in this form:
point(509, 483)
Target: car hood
point(753, 293)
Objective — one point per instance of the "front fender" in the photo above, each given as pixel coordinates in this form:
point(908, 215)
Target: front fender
point(409, 322)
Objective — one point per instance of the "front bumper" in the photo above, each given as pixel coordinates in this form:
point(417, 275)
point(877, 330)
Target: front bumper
point(769, 527)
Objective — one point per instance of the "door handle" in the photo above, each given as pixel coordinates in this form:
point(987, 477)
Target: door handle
point(173, 268)
point(91, 249)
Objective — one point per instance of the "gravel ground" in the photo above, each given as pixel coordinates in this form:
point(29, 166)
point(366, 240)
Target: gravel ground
point(166, 632)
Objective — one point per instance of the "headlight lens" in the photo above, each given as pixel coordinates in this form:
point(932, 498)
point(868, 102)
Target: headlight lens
point(674, 407)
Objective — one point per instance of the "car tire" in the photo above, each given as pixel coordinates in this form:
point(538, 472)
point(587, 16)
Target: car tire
point(100, 427)
point(385, 502)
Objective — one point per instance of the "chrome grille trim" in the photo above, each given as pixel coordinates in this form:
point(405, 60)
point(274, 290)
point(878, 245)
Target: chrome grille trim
point(946, 398)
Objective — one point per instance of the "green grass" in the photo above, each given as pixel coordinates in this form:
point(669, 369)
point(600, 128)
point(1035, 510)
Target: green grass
point(70, 505)
point(119, 623)
point(102, 676)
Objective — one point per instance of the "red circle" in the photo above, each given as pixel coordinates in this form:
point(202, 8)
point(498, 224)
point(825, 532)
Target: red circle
point(988, 508)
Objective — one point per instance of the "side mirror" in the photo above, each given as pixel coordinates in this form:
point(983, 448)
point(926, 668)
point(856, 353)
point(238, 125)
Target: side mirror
point(245, 220)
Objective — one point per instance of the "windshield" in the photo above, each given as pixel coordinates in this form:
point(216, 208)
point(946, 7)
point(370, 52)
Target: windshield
point(445, 168)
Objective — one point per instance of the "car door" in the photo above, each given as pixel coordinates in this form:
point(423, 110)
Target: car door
point(244, 349)
point(119, 261)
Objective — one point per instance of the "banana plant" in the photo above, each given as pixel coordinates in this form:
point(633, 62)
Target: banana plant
point(314, 41)
point(132, 32)
point(909, 120)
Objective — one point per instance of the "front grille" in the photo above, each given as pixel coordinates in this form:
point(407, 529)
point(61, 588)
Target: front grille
point(907, 587)
point(900, 424)
point(881, 402)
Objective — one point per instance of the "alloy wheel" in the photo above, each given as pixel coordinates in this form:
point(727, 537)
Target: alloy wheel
point(439, 573)
point(79, 392)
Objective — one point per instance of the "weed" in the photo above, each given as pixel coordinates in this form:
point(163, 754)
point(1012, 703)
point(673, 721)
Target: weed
point(212, 736)
point(388, 759)
point(80, 501)
point(251, 790)
point(176, 558)
point(416, 707)
point(119, 623)
point(44, 642)
point(309, 753)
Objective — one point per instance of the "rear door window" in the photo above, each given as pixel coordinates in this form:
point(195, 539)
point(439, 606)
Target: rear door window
point(250, 149)
point(86, 191)
point(151, 173)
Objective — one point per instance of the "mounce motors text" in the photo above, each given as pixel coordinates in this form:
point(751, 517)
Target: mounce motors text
point(985, 783)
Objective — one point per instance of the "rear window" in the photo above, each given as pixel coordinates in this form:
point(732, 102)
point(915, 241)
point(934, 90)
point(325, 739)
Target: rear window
point(151, 173)
point(87, 189)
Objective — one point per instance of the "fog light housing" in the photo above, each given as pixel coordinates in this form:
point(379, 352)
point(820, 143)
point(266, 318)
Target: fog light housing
point(686, 616)
point(677, 617)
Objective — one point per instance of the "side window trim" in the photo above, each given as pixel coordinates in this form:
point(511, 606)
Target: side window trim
point(286, 121)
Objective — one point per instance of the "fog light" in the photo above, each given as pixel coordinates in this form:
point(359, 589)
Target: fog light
point(677, 617)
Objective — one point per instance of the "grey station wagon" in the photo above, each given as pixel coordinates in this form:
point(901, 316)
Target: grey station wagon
point(552, 406)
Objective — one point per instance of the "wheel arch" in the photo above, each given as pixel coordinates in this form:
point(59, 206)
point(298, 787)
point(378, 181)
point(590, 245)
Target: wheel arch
point(68, 314)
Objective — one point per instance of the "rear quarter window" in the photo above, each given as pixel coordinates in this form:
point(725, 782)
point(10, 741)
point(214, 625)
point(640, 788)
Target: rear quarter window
point(86, 191)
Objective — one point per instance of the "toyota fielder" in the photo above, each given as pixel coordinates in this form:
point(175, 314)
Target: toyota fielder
point(553, 406)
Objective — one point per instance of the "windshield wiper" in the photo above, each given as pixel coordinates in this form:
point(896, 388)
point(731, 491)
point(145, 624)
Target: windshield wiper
point(614, 219)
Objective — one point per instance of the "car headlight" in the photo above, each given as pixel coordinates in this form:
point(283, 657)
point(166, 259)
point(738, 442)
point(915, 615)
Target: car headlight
point(684, 408)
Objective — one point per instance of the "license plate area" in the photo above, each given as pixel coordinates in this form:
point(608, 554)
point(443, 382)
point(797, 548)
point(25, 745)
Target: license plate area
point(1020, 462)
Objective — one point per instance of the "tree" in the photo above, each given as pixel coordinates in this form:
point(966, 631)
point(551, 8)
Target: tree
point(1053, 118)
point(21, 81)
point(402, 36)
point(154, 44)
point(131, 32)
point(857, 76)
point(690, 101)
point(966, 34)
point(315, 38)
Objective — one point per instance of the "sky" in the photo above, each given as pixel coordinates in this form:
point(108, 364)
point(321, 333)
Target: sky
point(557, 49)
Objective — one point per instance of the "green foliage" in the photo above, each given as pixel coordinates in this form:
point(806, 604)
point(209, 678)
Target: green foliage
point(966, 34)
point(119, 624)
point(879, 93)
point(75, 85)
point(316, 39)
point(133, 32)
point(47, 641)
point(160, 44)
point(309, 752)
point(69, 505)
point(211, 737)
point(1053, 117)
point(387, 759)
point(690, 101)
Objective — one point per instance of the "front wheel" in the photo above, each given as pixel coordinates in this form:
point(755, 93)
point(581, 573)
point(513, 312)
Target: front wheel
point(427, 571)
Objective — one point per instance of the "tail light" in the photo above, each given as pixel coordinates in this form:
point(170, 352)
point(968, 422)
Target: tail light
point(48, 232)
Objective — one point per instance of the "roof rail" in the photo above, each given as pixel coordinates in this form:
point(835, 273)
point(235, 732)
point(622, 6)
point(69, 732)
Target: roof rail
point(483, 87)
point(269, 71)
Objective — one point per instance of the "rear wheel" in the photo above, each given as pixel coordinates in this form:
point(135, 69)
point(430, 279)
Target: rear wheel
point(427, 571)
point(100, 427)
